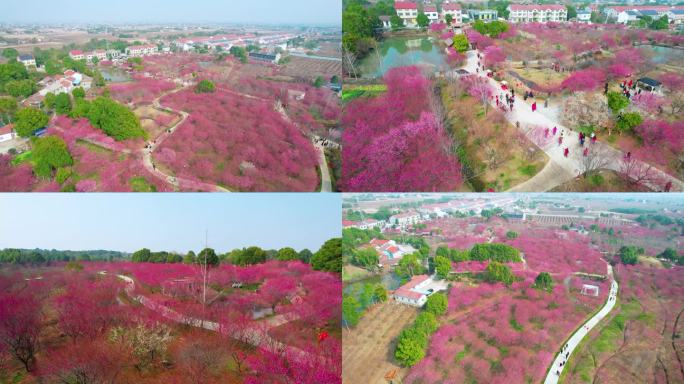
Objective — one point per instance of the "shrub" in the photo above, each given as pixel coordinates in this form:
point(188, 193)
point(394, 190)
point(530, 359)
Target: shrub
point(205, 86)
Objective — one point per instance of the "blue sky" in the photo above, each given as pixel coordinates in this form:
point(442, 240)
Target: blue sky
point(168, 221)
point(311, 12)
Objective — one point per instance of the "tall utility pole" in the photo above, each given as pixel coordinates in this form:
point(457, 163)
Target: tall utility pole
point(204, 268)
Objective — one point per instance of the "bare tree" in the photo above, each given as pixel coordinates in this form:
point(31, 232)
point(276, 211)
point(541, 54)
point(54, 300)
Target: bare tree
point(638, 173)
point(596, 159)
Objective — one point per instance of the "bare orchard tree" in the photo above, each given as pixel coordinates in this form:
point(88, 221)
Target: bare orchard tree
point(596, 159)
point(638, 173)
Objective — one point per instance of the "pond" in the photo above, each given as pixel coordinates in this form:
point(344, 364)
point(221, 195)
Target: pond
point(665, 55)
point(402, 51)
point(115, 75)
point(389, 280)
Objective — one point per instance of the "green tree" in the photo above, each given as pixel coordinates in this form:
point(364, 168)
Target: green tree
point(629, 255)
point(544, 281)
point(8, 107)
point(511, 235)
point(380, 292)
point(319, 82)
point(50, 153)
point(63, 104)
point(497, 272)
point(208, 256)
point(350, 311)
point(239, 52)
point(329, 257)
point(617, 101)
point(78, 93)
point(29, 120)
point(425, 323)
point(627, 121)
point(422, 20)
point(10, 54)
point(287, 254)
point(410, 347)
point(249, 256)
point(49, 100)
point(442, 266)
point(409, 265)
point(661, 23)
point(305, 255)
point(461, 43)
point(396, 22)
point(437, 304)
point(111, 117)
point(366, 258)
point(141, 256)
point(53, 67)
point(448, 18)
point(20, 88)
point(205, 86)
point(572, 12)
point(190, 258)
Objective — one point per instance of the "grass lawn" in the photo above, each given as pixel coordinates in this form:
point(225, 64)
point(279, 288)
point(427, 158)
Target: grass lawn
point(352, 92)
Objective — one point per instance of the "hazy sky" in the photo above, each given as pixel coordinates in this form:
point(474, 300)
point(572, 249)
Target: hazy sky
point(319, 12)
point(168, 221)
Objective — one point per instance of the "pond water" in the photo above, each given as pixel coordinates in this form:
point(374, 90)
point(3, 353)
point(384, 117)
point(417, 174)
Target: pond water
point(665, 55)
point(115, 75)
point(389, 280)
point(402, 51)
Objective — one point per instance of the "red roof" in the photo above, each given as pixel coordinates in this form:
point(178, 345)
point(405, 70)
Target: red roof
point(378, 242)
point(69, 72)
point(7, 129)
point(620, 8)
point(76, 52)
point(348, 223)
point(66, 83)
point(430, 8)
point(540, 7)
point(451, 7)
point(406, 289)
point(392, 249)
point(405, 5)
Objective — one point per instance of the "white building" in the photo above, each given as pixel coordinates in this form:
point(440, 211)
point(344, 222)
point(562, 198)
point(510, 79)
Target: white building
point(540, 13)
point(390, 252)
point(676, 16)
point(431, 13)
point(584, 16)
point(455, 11)
point(27, 60)
point(142, 50)
point(77, 54)
point(416, 291)
point(407, 11)
point(7, 133)
point(629, 16)
point(405, 219)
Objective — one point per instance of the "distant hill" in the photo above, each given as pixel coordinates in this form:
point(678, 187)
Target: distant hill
point(32, 256)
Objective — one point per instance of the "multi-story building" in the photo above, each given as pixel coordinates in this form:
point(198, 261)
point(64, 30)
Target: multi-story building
point(7, 133)
point(405, 219)
point(431, 13)
point(455, 11)
point(584, 15)
point(76, 54)
point(142, 50)
point(537, 13)
point(483, 14)
point(407, 11)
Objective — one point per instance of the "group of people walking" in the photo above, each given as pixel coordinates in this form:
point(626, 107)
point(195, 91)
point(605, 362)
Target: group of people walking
point(582, 139)
point(565, 353)
point(506, 100)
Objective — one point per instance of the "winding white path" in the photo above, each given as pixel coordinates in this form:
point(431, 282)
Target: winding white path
point(559, 169)
point(556, 369)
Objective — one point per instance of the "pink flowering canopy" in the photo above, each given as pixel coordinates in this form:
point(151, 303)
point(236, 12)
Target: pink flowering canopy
point(393, 142)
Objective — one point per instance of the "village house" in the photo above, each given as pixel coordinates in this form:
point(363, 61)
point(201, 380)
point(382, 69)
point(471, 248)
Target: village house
point(265, 57)
point(537, 13)
point(403, 220)
point(386, 22)
point(7, 133)
point(454, 10)
point(407, 11)
point(584, 15)
point(142, 50)
point(27, 60)
point(482, 14)
point(676, 16)
point(417, 290)
point(431, 13)
point(390, 252)
point(625, 14)
point(76, 54)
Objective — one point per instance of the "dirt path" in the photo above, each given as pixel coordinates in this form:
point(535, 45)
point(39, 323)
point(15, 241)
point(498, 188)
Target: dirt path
point(562, 167)
point(367, 350)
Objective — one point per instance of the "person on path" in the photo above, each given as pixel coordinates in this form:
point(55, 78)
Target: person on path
point(586, 152)
point(668, 186)
point(534, 106)
point(546, 132)
point(605, 88)
point(525, 96)
point(497, 100)
point(517, 124)
point(593, 138)
point(628, 155)
point(566, 151)
point(512, 92)
point(546, 103)
point(555, 130)
point(560, 140)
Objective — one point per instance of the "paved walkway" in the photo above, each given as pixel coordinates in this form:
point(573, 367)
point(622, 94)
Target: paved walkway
point(572, 343)
point(562, 168)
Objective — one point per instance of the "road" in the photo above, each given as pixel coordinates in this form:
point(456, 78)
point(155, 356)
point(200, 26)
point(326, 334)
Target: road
point(560, 168)
point(556, 369)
